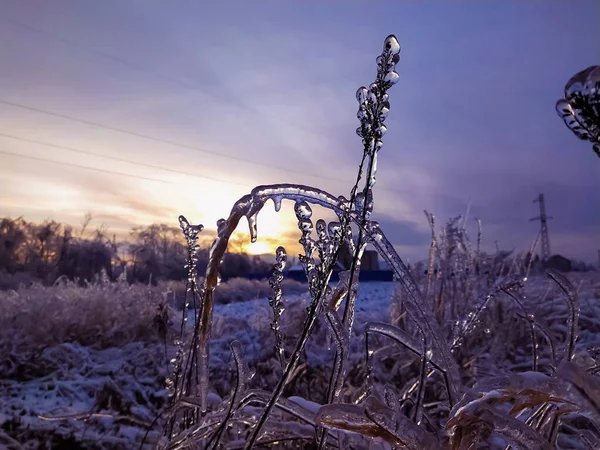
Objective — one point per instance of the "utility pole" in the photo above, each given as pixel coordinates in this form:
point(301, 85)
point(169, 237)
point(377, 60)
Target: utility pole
point(543, 218)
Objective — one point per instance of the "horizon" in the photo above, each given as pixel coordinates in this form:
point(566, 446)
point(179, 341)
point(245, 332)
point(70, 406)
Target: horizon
point(141, 114)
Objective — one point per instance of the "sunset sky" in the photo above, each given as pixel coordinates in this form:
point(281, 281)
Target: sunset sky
point(139, 111)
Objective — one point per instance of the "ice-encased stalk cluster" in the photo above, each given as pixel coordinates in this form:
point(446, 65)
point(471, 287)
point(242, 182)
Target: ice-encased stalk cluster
point(303, 214)
point(276, 303)
point(191, 233)
point(580, 107)
point(373, 108)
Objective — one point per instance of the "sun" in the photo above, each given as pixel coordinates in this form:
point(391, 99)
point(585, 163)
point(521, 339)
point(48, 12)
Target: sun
point(258, 248)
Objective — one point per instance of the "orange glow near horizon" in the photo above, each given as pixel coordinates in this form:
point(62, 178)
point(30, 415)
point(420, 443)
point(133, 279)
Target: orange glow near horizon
point(258, 248)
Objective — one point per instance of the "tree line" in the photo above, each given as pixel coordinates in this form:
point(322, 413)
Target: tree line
point(50, 250)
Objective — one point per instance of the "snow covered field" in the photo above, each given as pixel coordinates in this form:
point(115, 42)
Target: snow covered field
point(97, 396)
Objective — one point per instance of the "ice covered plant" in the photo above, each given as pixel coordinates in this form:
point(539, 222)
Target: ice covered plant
point(394, 415)
point(580, 108)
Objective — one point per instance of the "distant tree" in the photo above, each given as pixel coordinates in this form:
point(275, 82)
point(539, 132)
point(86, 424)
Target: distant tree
point(158, 252)
point(12, 244)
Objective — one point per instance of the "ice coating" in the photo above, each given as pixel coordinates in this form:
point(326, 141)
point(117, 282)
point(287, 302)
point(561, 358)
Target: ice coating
point(276, 303)
point(373, 107)
point(531, 322)
point(341, 339)
point(391, 44)
point(375, 419)
point(401, 427)
point(467, 325)
point(415, 305)
point(406, 340)
point(431, 259)
point(580, 107)
point(481, 420)
point(574, 308)
point(243, 376)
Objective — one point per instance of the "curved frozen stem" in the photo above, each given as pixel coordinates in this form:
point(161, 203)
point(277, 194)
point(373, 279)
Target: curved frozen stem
point(250, 205)
point(573, 302)
point(412, 344)
point(242, 378)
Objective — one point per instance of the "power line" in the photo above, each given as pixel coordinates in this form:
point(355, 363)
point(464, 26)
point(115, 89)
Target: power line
point(160, 140)
point(141, 164)
point(165, 141)
point(114, 158)
point(141, 68)
point(77, 166)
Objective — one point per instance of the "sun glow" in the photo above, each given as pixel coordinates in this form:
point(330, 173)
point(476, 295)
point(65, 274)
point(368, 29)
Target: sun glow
point(258, 248)
point(273, 230)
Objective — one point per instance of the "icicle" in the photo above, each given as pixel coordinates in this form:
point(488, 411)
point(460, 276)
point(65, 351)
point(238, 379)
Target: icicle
point(252, 227)
point(277, 203)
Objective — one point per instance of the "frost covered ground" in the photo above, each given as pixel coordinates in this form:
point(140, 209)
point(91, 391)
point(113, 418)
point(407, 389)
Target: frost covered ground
point(85, 368)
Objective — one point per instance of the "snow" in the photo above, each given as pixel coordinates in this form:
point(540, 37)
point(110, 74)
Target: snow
point(111, 395)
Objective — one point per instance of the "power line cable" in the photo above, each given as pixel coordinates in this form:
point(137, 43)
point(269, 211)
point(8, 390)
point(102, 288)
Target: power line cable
point(144, 69)
point(114, 158)
point(77, 166)
point(151, 166)
point(173, 80)
point(160, 140)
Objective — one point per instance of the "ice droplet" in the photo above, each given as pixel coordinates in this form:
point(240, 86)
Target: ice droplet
point(221, 226)
point(392, 45)
point(302, 210)
point(321, 228)
point(280, 254)
point(383, 112)
point(305, 225)
point(183, 222)
point(391, 77)
point(361, 94)
point(335, 230)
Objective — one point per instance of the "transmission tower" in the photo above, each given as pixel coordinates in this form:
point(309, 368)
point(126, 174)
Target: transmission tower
point(543, 218)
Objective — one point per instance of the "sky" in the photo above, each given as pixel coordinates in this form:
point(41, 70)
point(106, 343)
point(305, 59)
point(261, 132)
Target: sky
point(138, 111)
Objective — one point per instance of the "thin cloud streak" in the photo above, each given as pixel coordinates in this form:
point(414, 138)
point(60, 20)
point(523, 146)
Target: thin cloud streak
point(472, 117)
